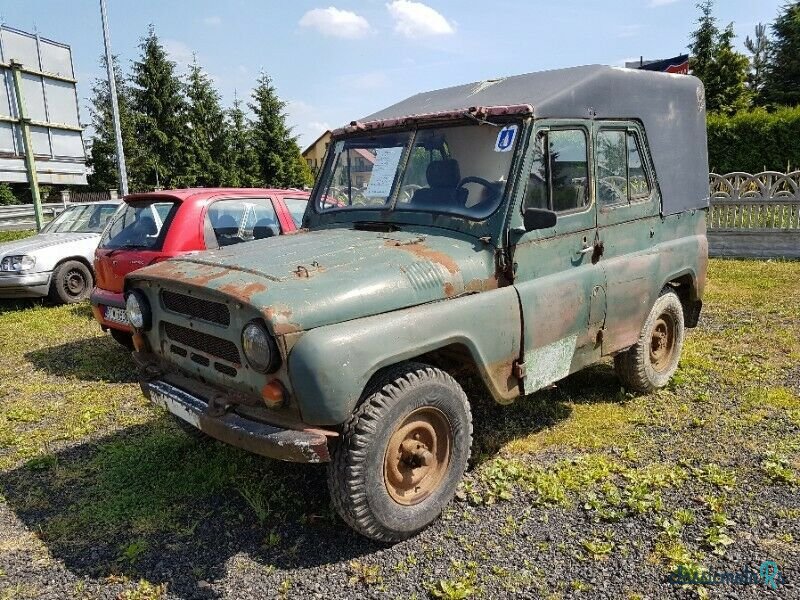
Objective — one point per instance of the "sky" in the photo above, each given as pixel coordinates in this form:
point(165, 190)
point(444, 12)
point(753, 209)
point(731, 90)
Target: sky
point(334, 61)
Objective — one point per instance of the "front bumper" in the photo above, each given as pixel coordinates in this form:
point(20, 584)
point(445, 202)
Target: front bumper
point(254, 436)
point(24, 285)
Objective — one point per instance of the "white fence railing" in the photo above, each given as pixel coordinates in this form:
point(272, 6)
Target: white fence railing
point(755, 215)
point(19, 217)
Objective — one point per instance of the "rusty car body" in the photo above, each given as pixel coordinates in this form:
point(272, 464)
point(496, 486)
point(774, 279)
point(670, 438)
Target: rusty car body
point(579, 225)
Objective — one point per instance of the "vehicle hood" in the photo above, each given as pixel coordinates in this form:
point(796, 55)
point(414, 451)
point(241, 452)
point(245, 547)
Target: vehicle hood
point(42, 241)
point(298, 282)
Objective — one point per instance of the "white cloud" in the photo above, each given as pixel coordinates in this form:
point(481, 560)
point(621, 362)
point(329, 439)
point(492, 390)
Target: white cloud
point(337, 23)
point(212, 21)
point(654, 3)
point(178, 52)
point(415, 19)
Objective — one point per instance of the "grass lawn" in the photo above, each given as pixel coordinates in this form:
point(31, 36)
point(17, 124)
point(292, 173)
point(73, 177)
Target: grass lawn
point(702, 474)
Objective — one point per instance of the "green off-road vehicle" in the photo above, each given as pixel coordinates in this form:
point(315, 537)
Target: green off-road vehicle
point(519, 229)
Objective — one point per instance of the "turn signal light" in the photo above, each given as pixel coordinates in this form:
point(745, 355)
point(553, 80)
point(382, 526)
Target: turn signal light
point(273, 394)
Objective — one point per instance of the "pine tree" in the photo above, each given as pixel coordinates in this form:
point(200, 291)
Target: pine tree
point(207, 135)
point(758, 47)
point(278, 154)
point(722, 69)
point(103, 149)
point(158, 99)
point(239, 162)
point(782, 80)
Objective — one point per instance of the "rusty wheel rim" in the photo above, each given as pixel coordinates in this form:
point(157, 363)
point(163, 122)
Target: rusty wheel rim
point(417, 456)
point(662, 342)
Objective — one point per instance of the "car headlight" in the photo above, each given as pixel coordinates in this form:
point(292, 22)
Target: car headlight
point(138, 310)
point(17, 263)
point(259, 348)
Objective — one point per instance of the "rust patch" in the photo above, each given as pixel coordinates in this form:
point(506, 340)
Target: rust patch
point(280, 319)
point(175, 271)
point(449, 289)
point(506, 384)
point(421, 250)
point(482, 285)
point(243, 292)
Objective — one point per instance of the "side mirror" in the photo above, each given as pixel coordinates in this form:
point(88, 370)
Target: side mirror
point(539, 218)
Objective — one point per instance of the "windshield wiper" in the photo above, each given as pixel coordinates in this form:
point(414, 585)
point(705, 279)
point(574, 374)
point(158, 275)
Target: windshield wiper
point(125, 247)
point(469, 115)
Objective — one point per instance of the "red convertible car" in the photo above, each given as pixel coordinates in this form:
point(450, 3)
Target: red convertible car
point(152, 227)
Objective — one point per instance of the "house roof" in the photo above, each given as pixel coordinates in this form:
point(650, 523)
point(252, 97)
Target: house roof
point(671, 108)
point(314, 143)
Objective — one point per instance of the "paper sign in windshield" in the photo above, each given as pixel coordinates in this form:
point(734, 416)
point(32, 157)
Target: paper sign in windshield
point(383, 172)
point(505, 138)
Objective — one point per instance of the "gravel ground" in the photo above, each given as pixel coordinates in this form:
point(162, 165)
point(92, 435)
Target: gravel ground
point(574, 493)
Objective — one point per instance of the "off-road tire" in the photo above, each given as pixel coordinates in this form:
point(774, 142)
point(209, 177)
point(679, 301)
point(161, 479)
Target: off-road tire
point(123, 338)
point(635, 366)
point(72, 282)
point(357, 480)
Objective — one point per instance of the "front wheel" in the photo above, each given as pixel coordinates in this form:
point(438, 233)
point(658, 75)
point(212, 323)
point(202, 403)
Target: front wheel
point(403, 453)
point(72, 282)
point(653, 360)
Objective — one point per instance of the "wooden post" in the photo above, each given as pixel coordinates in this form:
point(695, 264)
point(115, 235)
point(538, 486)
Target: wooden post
point(30, 163)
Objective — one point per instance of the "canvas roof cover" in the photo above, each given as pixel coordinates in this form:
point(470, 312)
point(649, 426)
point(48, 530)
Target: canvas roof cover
point(671, 108)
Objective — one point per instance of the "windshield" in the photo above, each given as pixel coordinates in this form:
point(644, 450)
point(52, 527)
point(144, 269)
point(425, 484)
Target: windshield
point(461, 170)
point(81, 218)
point(139, 225)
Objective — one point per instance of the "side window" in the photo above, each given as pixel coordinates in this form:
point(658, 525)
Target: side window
point(637, 176)
point(621, 176)
point(236, 221)
point(612, 166)
point(559, 177)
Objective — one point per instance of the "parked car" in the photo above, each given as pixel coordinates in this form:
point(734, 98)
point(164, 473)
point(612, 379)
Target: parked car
point(558, 221)
point(156, 226)
point(57, 261)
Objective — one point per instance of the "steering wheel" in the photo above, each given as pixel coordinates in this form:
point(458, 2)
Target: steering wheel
point(489, 185)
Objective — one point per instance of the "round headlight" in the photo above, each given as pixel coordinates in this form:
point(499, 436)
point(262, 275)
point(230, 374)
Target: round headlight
point(259, 348)
point(138, 310)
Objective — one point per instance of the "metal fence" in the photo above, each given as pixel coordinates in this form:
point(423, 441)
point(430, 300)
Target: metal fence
point(19, 217)
point(755, 215)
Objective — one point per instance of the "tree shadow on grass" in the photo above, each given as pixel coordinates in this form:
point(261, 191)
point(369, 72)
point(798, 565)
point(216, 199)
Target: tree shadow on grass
point(151, 503)
point(89, 359)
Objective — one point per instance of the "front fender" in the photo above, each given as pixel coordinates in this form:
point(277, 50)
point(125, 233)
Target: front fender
point(330, 366)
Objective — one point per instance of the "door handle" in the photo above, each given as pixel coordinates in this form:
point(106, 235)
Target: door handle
point(585, 250)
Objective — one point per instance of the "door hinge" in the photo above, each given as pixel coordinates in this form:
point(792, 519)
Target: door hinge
point(518, 369)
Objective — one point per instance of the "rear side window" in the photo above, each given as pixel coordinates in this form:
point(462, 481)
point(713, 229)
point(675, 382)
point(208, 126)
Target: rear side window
point(297, 208)
point(621, 176)
point(139, 225)
point(235, 221)
point(559, 176)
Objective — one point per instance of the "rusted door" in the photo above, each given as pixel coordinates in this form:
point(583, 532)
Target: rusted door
point(561, 288)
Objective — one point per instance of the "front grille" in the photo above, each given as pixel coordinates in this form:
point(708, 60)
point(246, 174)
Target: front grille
point(196, 308)
point(208, 344)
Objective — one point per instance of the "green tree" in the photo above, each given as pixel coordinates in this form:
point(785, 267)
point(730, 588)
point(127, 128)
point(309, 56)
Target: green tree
point(103, 149)
point(279, 158)
point(239, 162)
point(758, 47)
point(722, 69)
point(782, 79)
point(7, 195)
point(207, 135)
point(157, 97)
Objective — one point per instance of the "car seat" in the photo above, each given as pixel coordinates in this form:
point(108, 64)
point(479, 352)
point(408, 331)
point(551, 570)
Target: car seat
point(443, 177)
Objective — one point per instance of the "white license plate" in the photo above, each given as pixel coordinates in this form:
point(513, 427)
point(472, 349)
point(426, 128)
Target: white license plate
point(116, 314)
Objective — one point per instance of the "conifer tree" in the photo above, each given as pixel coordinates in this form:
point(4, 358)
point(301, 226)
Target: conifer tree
point(782, 79)
point(240, 162)
point(157, 97)
point(278, 154)
point(758, 46)
point(103, 150)
point(207, 136)
point(719, 66)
